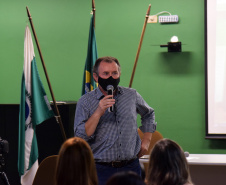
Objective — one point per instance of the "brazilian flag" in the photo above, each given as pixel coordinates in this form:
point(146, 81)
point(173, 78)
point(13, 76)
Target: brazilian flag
point(88, 82)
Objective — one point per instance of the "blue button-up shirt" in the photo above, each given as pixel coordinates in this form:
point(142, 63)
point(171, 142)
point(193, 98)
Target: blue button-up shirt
point(116, 136)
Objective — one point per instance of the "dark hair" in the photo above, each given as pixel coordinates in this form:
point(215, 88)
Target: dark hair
point(168, 165)
point(105, 59)
point(125, 178)
point(76, 164)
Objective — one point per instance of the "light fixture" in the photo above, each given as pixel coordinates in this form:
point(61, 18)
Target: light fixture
point(173, 45)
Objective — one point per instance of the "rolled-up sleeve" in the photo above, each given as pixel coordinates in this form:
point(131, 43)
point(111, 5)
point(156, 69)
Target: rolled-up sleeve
point(147, 113)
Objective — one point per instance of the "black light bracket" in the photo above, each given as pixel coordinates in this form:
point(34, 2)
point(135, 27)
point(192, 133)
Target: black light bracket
point(173, 46)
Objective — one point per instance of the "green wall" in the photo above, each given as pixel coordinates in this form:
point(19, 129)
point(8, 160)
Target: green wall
point(172, 83)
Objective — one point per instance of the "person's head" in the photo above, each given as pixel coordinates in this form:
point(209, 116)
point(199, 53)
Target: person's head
point(167, 165)
point(125, 178)
point(106, 71)
point(76, 164)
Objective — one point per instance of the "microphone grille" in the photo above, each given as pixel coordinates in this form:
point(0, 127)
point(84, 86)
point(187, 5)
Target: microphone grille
point(110, 87)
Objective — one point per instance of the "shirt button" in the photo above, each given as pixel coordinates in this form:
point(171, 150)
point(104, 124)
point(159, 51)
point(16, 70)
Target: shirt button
point(120, 144)
point(119, 156)
point(120, 132)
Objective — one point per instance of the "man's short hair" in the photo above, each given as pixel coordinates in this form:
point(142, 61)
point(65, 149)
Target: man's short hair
point(105, 59)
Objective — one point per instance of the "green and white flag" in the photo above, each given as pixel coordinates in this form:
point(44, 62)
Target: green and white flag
point(34, 109)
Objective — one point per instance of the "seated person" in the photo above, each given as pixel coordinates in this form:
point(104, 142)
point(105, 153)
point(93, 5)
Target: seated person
point(76, 164)
point(168, 165)
point(125, 178)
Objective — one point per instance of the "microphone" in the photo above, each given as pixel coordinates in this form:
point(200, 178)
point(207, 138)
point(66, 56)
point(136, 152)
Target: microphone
point(110, 90)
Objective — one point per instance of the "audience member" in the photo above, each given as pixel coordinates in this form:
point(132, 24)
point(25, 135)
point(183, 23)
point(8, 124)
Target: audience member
point(76, 164)
point(125, 178)
point(168, 165)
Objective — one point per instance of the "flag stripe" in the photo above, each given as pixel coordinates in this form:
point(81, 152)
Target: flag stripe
point(34, 109)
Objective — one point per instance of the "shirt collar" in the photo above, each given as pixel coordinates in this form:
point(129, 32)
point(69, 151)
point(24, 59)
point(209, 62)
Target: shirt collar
point(100, 95)
point(120, 90)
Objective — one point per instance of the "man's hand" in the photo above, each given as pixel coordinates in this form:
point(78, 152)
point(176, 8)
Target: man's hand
point(145, 144)
point(105, 103)
point(92, 122)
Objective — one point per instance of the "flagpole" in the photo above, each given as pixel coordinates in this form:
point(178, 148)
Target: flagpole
point(139, 47)
point(58, 118)
point(93, 10)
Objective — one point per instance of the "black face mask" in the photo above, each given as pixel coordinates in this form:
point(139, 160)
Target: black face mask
point(109, 81)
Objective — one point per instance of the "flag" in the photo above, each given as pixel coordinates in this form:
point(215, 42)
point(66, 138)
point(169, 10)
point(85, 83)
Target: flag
point(34, 109)
point(88, 82)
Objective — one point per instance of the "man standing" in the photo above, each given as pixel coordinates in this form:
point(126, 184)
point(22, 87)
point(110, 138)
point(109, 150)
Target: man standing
point(112, 135)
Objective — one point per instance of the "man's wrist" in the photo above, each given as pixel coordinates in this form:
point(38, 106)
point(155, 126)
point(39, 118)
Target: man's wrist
point(147, 136)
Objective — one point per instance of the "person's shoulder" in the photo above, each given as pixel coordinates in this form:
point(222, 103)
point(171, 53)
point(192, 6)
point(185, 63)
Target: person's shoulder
point(88, 95)
point(129, 92)
point(126, 89)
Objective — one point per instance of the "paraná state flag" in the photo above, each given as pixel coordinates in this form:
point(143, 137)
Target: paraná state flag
point(34, 109)
point(88, 82)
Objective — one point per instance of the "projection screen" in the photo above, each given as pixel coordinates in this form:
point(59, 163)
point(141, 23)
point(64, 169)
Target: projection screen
point(215, 27)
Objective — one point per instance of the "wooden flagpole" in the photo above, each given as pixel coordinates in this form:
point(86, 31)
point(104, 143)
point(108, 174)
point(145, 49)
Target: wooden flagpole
point(139, 47)
point(93, 9)
point(58, 118)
